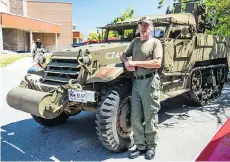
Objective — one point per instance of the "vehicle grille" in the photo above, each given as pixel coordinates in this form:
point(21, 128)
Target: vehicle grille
point(60, 70)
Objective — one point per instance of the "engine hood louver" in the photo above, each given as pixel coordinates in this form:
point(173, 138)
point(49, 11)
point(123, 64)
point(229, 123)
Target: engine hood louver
point(60, 70)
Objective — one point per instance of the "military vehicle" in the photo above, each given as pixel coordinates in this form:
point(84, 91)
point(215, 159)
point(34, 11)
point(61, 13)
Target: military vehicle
point(92, 78)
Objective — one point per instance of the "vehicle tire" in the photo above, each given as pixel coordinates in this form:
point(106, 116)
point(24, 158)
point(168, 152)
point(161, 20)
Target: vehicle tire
point(51, 122)
point(113, 118)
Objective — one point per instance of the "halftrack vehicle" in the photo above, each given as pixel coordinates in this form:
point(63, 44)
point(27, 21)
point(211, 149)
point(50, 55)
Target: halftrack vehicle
point(92, 78)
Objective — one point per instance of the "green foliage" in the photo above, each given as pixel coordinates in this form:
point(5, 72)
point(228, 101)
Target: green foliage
point(9, 59)
point(93, 36)
point(162, 2)
point(124, 15)
point(218, 11)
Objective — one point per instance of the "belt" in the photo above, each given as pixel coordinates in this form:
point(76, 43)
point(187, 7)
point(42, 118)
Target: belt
point(145, 76)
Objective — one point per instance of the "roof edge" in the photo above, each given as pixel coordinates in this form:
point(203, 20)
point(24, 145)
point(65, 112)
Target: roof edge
point(47, 1)
point(30, 18)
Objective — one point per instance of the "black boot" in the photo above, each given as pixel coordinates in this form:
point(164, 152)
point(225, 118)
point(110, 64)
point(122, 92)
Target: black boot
point(135, 153)
point(150, 154)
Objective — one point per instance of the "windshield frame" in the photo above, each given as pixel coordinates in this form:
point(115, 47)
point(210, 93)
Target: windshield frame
point(131, 26)
point(122, 28)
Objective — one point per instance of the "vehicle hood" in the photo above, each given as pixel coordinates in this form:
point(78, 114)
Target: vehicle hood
point(91, 48)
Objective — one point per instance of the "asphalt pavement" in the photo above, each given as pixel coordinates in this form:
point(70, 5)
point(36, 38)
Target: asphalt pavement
point(184, 130)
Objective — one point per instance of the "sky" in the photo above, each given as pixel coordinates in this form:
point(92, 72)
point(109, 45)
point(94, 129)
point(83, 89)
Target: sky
point(89, 14)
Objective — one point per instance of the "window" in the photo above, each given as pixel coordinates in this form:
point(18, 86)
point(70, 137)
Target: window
point(159, 32)
point(120, 34)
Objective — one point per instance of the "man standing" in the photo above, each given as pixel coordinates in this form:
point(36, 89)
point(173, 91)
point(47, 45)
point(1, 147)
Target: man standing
point(39, 43)
point(146, 53)
point(40, 46)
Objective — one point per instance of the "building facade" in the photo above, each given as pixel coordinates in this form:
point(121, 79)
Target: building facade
point(56, 12)
point(4, 6)
point(77, 37)
point(23, 21)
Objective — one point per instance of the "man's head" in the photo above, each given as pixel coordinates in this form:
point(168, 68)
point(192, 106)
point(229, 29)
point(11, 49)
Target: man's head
point(38, 40)
point(145, 27)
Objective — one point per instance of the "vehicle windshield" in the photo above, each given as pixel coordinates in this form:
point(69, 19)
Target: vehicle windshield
point(119, 34)
point(128, 34)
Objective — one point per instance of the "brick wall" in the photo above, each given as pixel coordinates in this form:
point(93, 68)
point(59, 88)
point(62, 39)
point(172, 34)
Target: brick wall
point(17, 40)
point(23, 40)
point(10, 38)
point(16, 7)
point(47, 39)
point(56, 12)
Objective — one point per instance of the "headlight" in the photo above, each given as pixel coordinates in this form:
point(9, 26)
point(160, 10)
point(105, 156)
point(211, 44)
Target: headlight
point(87, 60)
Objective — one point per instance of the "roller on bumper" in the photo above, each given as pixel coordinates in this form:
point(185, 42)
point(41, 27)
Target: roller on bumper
point(31, 101)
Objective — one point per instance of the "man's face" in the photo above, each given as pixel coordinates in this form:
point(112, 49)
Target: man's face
point(144, 29)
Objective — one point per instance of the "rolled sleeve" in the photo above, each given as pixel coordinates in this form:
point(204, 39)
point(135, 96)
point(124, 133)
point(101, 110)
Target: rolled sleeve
point(129, 50)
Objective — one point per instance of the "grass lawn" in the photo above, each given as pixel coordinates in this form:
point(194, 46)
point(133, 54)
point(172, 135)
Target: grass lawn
point(8, 59)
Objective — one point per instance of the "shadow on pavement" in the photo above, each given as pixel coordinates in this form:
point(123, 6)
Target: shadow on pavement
point(219, 107)
point(76, 140)
point(179, 108)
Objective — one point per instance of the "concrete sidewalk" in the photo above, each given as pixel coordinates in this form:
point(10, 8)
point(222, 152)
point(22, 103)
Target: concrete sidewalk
point(22, 64)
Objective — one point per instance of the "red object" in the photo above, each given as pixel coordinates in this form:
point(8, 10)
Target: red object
point(90, 42)
point(218, 149)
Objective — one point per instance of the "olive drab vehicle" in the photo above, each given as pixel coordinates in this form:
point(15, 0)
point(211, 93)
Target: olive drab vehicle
point(92, 78)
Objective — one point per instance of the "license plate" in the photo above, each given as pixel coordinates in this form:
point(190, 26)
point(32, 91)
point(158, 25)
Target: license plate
point(81, 95)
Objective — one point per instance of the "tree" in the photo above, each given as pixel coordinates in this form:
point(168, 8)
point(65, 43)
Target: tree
point(93, 36)
point(218, 11)
point(128, 13)
point(124, 15)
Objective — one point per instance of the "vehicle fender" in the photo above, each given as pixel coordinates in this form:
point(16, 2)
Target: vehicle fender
point(107, 73)
point(36, 69)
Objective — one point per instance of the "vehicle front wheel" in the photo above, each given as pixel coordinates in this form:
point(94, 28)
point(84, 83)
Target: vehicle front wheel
point(113, 118)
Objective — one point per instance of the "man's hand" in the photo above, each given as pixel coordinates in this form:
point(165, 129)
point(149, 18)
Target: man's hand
point(132, 63)
point(129, 65)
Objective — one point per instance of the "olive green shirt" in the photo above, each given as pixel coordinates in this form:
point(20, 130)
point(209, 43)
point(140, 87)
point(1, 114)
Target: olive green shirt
point(143, 51)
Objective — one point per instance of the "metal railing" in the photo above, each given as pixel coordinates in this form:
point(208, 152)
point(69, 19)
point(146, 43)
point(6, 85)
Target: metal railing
point(7, 46)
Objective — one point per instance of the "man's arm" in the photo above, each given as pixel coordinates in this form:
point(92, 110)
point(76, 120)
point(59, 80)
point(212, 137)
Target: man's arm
point(127, 53)
point(123, 58)
point(151, 64)
point(155, 63)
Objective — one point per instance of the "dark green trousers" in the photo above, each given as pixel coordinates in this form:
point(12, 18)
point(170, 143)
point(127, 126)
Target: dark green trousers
point(144, 111)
